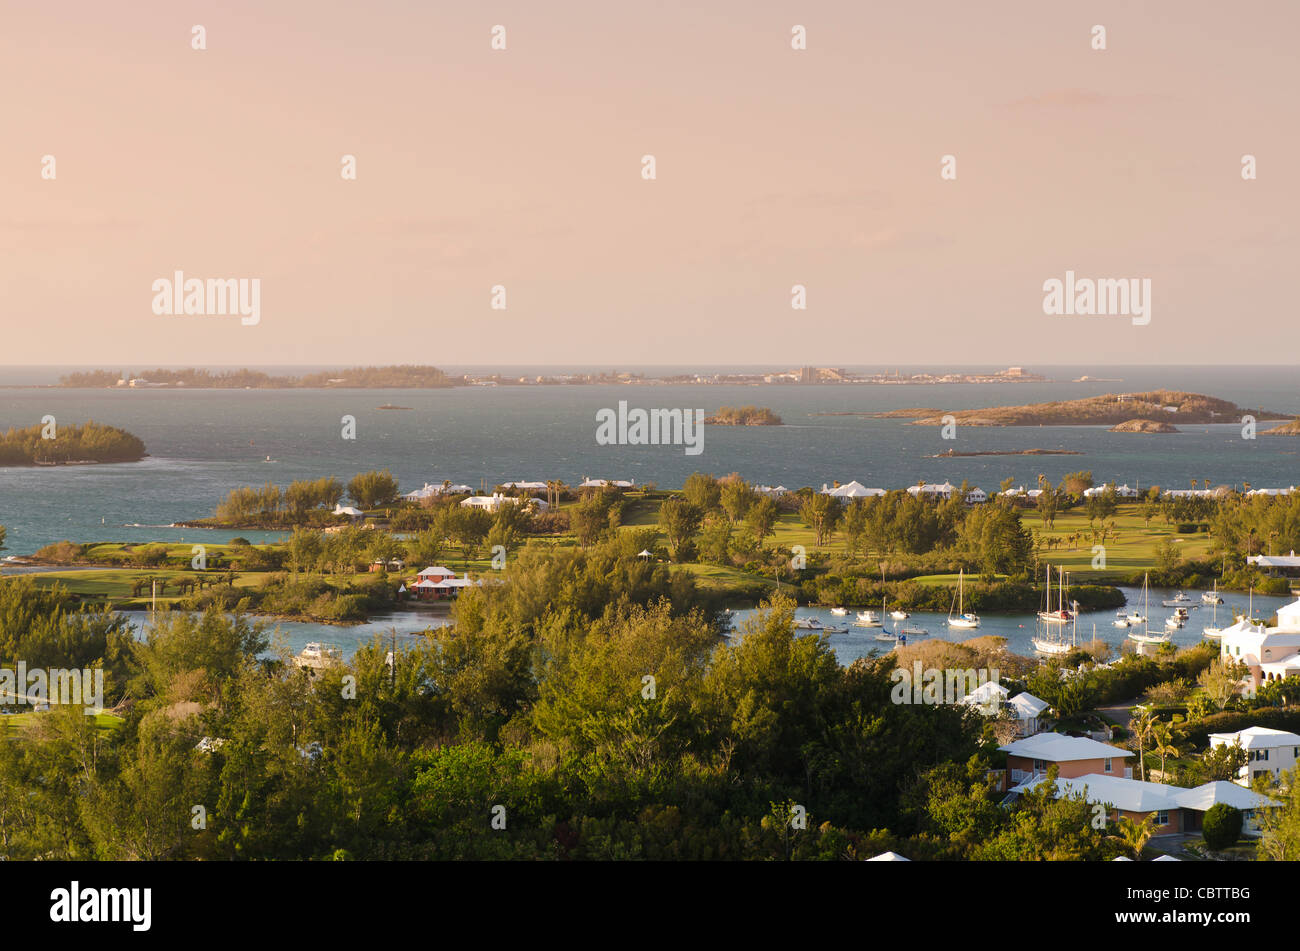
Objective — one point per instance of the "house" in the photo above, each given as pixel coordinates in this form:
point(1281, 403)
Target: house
point(1276, 564)
point(604, 483)
point(1073, 755)
point(353, 513)
point(430, 491)
point(1174, 809)
point(771, 491)
point(394, 564)
point(491, 503)
point(888, 857)
point(988, 696)
point(976, 496)
point(1029, 710)
point(525, 486)
point(444, 589)
point(1269, 653)
point(932, 491)
point(1270, 752)
point(854, 490)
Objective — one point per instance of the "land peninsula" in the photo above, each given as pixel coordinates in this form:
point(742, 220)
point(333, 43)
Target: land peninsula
point(1110, 409)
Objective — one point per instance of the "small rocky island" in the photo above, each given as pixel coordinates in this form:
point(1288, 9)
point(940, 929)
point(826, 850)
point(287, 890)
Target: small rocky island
point(1110, 409)
point(1144, 426)
point(744, 416)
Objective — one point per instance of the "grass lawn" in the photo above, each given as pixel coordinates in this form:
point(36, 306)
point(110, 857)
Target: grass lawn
point(104, 722)
point(1131, 548)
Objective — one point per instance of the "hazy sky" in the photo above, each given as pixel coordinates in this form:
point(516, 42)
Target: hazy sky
point(522, 167)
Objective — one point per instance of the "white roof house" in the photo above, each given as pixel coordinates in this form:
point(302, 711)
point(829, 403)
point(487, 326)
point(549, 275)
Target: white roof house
point(602, 483)
point(853, 490)
point(1270, 653)
point(888, 857)
point(989, 695)
point(435, 572)
point(1127, 795)
point(1211, 794)
point(1059, 748)
point(494, 501)
point(1027, 706)
point(1270, 753)
point(429, 490)
point(527, 486)
point(946, 490)
point(348, 510)
point(976, 496)
point(771, 491)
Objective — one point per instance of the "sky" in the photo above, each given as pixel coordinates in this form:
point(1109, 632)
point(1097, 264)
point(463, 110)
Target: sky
point(522, 168)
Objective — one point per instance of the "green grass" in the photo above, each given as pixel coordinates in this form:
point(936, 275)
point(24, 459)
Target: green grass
point(104, 722)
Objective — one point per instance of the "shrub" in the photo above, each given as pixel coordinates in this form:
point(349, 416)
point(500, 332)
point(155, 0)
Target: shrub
point(1222, 827)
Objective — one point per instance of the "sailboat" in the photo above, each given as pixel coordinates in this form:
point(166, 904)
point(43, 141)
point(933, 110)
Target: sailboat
point(1052, 640)
point(1146, 637)
point(962, 620)
point(1214, 630)
point(1062, 614)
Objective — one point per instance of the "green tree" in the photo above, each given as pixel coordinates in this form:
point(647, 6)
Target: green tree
point(1221, 826)
point(373, 489)
point(679, 520)
point(821, 513)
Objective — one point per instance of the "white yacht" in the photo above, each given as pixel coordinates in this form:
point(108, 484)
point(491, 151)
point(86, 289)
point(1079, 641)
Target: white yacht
point(868, 618)
point(1179, 600)
point(1212, 597)
point(807, 624)
point(899, 615)
point(839, 612)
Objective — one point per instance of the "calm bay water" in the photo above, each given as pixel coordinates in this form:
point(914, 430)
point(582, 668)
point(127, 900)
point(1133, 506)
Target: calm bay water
point(203, 443)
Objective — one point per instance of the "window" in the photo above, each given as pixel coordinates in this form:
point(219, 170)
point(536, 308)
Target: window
point(1040, 764)
point(1162, 818)
point(1106, 767)
point(1263, 755)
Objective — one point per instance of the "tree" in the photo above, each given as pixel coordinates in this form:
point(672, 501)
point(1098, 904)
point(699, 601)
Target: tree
point(1162, 735)
point(1221, 826)
point(1140, 725)
point(703, 491)
point(1220, 680)
point(737, 497)
point(373, 489)
point(1133, 836)
point(679, 520)
point(822, 514)
point(1279, 839)
point(761, 517)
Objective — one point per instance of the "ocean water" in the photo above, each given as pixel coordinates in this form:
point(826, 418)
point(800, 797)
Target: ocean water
point(203, 443)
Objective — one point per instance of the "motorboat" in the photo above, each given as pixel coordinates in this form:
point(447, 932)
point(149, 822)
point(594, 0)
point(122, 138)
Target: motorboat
point(1121, 619)
point(839, 612)
point(899, 615)
point(1179, 600)
point(807, 624)
point(1212, 597)
point(868, 618)
point(842, 629)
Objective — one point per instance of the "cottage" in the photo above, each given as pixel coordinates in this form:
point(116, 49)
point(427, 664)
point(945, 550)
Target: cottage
point(932, 491)
point(976, 496)
point(853, 490)
point(353, 513)
point(1028, 710)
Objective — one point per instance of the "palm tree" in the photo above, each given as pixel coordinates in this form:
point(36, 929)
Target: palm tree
point(1141, 724)
point(1133, 836)
point(1162, 744)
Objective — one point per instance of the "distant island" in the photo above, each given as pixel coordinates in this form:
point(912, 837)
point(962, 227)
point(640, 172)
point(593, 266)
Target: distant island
point(70, 446)
point(393, 377)
point(954, 454)
point(1110, 409)
point(391, 406)
point(745, 416)
point(1144, 426)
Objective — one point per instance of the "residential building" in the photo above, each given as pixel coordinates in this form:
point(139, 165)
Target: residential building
point(1270, 752)
point(1073, 756)
point(1269, 653)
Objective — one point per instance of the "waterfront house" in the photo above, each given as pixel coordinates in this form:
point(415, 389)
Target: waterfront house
point(1073, 755)
point(493, 502)
point(1270, 752)
point(1269, 653)
point(976, 496)
point(930, 491)
point(353, 513)
point(1276, 564)
point(853, 490)
point(607, 483)
point(772, 491)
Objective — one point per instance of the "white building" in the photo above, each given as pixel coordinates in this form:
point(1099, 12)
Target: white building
point(1029, 710)
point(933, 491)
point(1269, 653)
point(853, 490)
point(491, 503)
point(1270, 752)
point(772, 491)
point(976, 496)
point(604, 483)
point(525, 486)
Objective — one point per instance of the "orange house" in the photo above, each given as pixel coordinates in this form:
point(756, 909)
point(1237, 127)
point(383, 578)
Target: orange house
point(1073, 756)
